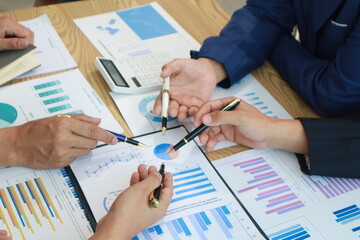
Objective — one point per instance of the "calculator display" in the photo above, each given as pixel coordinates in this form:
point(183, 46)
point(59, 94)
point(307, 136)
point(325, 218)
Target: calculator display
point(114, 73)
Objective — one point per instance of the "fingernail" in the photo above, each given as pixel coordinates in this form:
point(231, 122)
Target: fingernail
point(114, 141)
point(22, 43)
point(207, 119)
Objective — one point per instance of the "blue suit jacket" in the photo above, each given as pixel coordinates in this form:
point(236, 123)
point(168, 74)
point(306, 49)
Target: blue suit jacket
point(324, 68)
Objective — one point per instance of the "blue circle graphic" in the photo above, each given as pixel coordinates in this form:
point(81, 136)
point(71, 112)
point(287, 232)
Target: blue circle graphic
point(146, 106)
point(161, 150)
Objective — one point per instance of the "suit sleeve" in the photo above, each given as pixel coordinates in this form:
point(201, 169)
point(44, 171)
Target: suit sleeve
point(331, 87)
point(334, 146)
point(247, 40)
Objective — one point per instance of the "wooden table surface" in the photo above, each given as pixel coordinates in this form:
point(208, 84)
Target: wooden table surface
point(200, 18)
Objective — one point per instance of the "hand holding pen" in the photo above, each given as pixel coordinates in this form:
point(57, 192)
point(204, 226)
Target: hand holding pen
point(197, 131)
point(165, 104)
point(155, 195)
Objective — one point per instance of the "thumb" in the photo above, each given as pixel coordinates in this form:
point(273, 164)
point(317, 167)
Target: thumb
point(151, 182)
point(220, 118)
point(13, 43)
point(171, 68)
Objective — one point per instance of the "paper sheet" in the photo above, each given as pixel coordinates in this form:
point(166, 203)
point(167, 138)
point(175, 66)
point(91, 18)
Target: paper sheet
point(137, 31)
point(288, 201)
point(64, 93)
point(198, 189)
point(51, 51)
point(40, 204)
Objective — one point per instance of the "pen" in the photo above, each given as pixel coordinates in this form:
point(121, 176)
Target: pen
point(123, 138)
point(165, 104)
point(155, 195)
point(197, 131)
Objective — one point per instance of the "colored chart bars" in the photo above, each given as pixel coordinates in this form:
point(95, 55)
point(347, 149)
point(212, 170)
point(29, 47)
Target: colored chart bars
point(217, 223)
point(349, 215)
point(191, 183)
point(272, 188)
point(332, 187)
point(54, 98)
point(25, 205)
point(255, 100)
point(294, 232)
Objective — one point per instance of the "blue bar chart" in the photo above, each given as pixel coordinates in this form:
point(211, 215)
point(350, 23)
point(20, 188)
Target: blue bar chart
point(349, 216)
point(294, 232)
point(191, 183)
point(332, 187)
point(253, 99)
point(272, 190)
point(217, 223)
point(54, 98)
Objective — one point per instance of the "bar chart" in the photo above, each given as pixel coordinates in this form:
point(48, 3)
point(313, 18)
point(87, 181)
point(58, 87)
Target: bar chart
point(272, 190)
point(217, 223)
point(191, 183)
point(293, 232)
point(332, 187)
point(349, 216)
point(54, 98)
point(27, 204)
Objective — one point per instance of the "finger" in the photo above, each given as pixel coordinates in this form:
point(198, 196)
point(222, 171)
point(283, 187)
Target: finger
point(167, 191)
point(86, 118)
point(193, 110)
point(173, 108)
point(143, 172)
point(157, 105)
point(213, 141)
point(152, 169)
point(218, 118)
point(182, 114)
point(77, 141)
point(209, 107)
point(3, 232)
point(151, 182)
point(13, 43)
point(203, 137)
point(171, 68)
point(135, 178)
point(92, 131)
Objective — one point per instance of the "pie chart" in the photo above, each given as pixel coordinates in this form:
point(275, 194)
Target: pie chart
point(161, 150)
point(8, 115)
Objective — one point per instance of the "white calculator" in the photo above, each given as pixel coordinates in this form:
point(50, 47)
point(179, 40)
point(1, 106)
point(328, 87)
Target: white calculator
point(133, 74)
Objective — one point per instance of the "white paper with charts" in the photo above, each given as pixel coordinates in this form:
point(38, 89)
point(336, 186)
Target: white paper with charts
point(137, 31)
point(202, 206)
point(140, 106)
point(50, 50)
point(64, 93)
point(289, 204)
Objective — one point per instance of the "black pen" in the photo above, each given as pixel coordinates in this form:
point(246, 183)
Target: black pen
point(123, 138)
point(197, 131)
point(155, 195)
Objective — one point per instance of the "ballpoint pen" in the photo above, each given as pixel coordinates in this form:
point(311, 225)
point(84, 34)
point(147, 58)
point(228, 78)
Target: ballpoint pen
point(123, 138)
point(197, 131)
point(155, 195)
point(165, 104)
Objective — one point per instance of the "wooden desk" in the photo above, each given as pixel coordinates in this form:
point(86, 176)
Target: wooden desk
point(201, 18)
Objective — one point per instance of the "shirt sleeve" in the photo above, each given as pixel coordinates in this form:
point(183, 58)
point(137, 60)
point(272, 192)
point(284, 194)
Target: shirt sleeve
point(333, 146)
point(247, 40)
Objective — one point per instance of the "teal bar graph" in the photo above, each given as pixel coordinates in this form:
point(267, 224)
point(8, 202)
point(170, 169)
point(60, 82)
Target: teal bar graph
point(56, 100)
point(75, 112)
point(59, 108)
point(51, 92)
point(46, 85)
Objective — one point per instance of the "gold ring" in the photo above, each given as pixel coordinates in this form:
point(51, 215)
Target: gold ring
point(63, 115)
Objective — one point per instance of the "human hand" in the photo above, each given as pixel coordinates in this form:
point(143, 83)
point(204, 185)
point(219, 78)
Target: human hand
point(54, 142)
point(244, 125)
point(249, 127)
point(4, 235)
point(14, 35)
point(192, 83)
point(131, 212)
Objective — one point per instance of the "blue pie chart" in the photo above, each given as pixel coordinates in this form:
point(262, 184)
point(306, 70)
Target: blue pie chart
point(8, 115)
point(161, 150)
